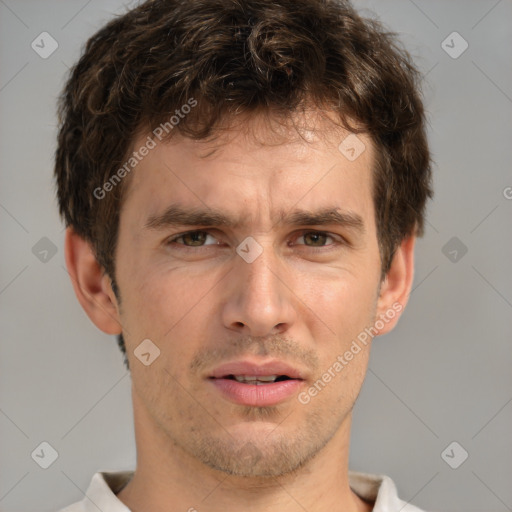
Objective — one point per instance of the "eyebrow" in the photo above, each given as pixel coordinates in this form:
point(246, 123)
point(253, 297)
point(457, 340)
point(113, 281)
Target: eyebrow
point(176, 215)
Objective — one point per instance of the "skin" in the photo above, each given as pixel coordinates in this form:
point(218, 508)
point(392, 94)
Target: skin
point(303, 300)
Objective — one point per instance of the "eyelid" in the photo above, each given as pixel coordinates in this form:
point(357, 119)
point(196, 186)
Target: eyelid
point(338, 239)
point(173, 238)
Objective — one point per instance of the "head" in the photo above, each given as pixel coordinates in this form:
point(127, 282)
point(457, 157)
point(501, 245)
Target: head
point(285, 142)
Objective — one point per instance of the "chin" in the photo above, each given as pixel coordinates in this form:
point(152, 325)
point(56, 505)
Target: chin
point(258, 453)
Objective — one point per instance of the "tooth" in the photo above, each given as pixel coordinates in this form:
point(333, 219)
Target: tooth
point(253, 379)
point(267, 378)
point(245, 378)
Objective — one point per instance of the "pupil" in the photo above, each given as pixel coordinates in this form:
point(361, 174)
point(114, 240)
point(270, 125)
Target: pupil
point(194, 237)
point(316, 236)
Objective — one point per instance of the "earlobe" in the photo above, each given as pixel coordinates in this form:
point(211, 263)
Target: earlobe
point(92, 287)
point(396, 287)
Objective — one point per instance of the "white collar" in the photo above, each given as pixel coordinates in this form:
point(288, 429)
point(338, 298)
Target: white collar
point(101, 493)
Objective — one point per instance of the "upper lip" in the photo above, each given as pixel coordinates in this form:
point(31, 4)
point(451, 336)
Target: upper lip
point(256, 369)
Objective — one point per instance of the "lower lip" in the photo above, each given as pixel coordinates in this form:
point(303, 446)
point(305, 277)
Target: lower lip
point(257, 395)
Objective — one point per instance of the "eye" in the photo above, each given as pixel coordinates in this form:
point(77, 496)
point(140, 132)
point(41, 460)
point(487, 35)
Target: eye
point(192, 239)
point(317, 238)
point(199, 238)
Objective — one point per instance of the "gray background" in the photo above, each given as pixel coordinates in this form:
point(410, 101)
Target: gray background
point(442, 375)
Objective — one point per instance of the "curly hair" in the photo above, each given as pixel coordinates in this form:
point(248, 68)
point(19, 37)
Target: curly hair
point(239, 57)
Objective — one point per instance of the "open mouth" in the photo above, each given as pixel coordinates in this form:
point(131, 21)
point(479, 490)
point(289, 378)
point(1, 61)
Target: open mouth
point(258, 384)
point(257, 380)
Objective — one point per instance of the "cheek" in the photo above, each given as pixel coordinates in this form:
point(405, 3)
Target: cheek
point(161, 298)
point(173, 311)
point(341, 309)
point(142, 303)
point(344, 302)
point(335, 388)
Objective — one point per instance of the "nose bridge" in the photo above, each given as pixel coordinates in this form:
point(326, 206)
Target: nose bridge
point(260, 275)
point(259, 302)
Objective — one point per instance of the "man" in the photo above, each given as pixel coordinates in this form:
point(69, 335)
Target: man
point(243, 182)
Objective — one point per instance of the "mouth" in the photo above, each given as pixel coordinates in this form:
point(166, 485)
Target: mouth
point(257, 380)
point(258, 385)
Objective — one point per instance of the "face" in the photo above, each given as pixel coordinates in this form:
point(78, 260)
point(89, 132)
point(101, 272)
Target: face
point(252, 268)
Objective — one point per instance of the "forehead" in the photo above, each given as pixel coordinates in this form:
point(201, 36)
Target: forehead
point(256, 168)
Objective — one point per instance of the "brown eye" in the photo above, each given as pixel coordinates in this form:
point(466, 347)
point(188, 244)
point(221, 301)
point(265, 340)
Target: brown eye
point(192, 239)
point(316, 238)
point(196, 238)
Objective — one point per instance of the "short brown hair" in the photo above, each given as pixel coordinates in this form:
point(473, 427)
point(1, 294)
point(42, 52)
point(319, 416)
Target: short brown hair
point(234, 57)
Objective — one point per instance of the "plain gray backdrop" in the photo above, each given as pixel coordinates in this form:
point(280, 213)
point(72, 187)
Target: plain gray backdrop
point(442, 376)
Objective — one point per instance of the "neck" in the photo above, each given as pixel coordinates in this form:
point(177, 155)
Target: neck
point(168, 477)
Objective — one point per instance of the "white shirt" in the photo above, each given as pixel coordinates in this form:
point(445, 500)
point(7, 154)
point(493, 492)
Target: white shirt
point(101, 493)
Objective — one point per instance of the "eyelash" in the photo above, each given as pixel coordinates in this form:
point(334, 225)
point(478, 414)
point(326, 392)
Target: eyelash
point(338, 240)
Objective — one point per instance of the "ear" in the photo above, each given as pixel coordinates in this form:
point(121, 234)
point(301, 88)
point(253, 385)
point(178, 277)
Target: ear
point(396, 286)
point(92, 286)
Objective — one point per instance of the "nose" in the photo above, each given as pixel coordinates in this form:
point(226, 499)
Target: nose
point(259, 297)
